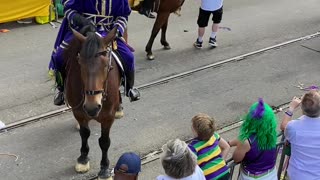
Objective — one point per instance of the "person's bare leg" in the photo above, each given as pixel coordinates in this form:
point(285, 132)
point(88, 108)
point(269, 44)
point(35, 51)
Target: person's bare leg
point(214, 29)
point(201, 31)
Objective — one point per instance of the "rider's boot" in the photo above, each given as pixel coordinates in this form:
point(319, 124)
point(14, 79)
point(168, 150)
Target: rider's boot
point(131, 92)
point(146, 9)
point(147, 12)
point(59, 97)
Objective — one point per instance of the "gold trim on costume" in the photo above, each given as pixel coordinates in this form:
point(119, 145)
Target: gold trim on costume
point(103, 7)
point(94, 17)
point(97, 7)
point(110, 7)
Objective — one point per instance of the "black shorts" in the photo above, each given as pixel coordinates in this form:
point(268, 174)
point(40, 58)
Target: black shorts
point(204, 16)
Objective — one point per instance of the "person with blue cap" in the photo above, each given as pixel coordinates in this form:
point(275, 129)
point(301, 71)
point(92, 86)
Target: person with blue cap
point(127, 167)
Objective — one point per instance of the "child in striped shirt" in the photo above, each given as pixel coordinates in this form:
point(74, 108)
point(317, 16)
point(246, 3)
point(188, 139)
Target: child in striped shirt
point(210, 148)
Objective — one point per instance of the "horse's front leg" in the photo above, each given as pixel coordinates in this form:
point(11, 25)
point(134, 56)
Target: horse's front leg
point(163, 35)
point(104, 142)
point(83, 164)
point(161, 19)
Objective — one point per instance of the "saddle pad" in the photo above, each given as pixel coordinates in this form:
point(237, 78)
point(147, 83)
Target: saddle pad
point(118, 61)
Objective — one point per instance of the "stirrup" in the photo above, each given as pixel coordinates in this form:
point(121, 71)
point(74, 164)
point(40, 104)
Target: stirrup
point(134, 94)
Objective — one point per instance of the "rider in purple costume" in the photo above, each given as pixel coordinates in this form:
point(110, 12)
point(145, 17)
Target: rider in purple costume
point(81, 16)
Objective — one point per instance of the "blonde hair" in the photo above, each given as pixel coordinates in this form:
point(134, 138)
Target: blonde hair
point(204, 126)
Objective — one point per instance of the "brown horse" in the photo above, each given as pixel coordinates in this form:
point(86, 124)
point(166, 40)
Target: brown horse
point(163, 8)
point(92, 90)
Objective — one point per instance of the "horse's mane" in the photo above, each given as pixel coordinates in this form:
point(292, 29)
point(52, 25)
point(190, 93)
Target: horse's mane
point(91, 46)
point(89, 49)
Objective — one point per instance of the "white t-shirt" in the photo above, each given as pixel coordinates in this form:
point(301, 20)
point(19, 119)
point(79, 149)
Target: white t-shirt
point(197, 175)
point(211, 5)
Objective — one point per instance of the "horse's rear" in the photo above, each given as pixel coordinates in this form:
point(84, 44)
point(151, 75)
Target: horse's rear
point(92, 90)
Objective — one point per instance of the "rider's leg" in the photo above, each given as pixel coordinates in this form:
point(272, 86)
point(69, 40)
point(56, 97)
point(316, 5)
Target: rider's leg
point(59, 77)
point(146, 8)
point(128, 59)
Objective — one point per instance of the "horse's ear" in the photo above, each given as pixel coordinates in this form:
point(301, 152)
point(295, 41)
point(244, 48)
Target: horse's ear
point(111, 36)
point(79, 36)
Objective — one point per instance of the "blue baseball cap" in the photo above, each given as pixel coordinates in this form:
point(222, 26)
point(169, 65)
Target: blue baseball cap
point(129, 163)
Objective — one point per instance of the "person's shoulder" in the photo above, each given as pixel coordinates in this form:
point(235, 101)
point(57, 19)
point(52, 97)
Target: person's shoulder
point(194, 141)
point(199, 173)
point(296, 122)
point(216, 135)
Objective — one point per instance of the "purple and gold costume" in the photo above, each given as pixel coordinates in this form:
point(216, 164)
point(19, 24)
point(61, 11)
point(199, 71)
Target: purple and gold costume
point(110, 13)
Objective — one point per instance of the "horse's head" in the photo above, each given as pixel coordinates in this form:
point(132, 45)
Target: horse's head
point(95, 64)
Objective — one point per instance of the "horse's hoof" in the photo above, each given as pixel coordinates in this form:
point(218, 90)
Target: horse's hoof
point(82, 168)
point(150, 57)
point(119, 114)
point(105, 174)
point(166, 47)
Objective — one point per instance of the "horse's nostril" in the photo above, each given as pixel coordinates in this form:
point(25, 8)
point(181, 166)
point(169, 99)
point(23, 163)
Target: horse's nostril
point(99, 106)
point(84, 106)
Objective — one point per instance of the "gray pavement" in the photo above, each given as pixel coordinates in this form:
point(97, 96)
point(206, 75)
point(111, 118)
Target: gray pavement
point(49, 148)
point(25, 52)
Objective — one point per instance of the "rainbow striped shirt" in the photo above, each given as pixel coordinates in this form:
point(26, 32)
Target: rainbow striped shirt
point(209, 157)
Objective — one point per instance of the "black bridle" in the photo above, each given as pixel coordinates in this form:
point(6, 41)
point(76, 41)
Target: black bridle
point(104, 90)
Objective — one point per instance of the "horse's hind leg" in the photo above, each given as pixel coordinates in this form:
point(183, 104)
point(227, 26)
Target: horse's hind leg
point(161, 19)
point(104, 142)
point(83, 165)
point(163, 35)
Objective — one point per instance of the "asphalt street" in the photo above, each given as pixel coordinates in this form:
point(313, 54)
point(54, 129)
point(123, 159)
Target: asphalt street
point(48, 149)
point(25, 52)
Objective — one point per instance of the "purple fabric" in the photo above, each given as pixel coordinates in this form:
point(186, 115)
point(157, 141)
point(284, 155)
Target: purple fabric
point(120, 12)
point(257, 161)
point(209, 148)
point(215, 174)
point(258, 112)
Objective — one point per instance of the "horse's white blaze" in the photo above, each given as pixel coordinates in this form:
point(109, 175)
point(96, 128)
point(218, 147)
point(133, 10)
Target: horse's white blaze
point(82, 168)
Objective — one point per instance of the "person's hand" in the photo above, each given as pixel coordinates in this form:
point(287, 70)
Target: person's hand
point(87, 28)
point(294, 104)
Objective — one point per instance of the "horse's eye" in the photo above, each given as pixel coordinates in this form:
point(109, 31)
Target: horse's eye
point(102, 53)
